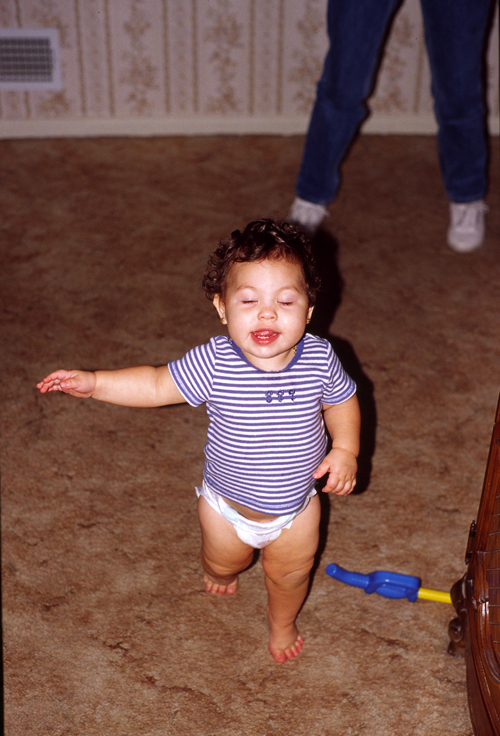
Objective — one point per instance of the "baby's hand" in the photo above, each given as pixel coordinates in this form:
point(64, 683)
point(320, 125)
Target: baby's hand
point(76, 383)
point(341, 466)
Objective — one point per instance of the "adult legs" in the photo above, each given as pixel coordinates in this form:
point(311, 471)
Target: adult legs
point(356, 30)
point(455, 32)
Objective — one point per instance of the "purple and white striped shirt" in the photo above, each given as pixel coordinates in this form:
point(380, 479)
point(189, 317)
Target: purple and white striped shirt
point(266, 435)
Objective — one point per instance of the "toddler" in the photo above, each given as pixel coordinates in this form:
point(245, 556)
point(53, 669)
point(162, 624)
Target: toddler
point(269, 390)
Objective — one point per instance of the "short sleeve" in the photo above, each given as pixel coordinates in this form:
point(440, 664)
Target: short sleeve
point(193, 374)
point(340, 386)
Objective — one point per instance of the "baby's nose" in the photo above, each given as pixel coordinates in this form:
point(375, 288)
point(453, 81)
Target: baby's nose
point(268, 311)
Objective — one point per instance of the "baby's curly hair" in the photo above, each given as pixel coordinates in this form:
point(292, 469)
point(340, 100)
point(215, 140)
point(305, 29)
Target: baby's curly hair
point(259, 241)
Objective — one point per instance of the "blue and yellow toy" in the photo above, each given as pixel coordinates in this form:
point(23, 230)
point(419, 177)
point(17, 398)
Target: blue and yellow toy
point(388, 584)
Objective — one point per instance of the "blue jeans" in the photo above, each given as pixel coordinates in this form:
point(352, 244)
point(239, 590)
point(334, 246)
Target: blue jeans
point(455, 33)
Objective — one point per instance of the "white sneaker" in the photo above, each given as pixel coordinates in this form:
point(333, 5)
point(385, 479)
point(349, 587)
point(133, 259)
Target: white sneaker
point(307, 215)
point(466, 231)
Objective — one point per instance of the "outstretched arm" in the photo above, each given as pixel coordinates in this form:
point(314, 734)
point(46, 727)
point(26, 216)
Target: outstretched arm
point(142, 386)
point(343, 423)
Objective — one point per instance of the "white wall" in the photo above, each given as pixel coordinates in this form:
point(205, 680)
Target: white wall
point(162, 67)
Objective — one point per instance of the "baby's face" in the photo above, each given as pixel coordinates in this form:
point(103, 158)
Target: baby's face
point(266, 308)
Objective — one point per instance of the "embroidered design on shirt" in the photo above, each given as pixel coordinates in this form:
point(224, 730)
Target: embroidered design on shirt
point(280, 395)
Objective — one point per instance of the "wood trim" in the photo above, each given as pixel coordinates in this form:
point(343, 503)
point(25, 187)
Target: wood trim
point(205, 125)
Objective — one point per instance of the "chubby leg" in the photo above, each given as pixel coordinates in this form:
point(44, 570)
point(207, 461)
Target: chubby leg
point(223, 554)
point(287, 564)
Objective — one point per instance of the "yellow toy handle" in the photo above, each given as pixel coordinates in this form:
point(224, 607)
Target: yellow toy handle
point(434, 595)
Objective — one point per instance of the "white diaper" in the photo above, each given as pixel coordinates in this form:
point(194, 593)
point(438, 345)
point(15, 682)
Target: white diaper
point(257, 534)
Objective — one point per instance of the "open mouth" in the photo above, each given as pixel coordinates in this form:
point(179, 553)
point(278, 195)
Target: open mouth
point(264, 337)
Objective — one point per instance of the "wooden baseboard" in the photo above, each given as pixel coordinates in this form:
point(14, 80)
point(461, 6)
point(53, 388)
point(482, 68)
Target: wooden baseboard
point(207, 125)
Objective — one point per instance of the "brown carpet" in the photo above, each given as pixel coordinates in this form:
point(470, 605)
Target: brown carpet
point(107, 628)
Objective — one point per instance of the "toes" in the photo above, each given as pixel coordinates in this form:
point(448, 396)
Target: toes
point(214, 587)
point(218, 589)
point(281, 656)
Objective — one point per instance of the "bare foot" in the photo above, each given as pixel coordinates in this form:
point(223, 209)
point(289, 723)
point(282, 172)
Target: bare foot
point(214, 587)
point(284, 642)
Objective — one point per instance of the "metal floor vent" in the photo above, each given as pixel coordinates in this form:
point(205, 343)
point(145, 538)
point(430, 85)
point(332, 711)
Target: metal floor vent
point(30, 59)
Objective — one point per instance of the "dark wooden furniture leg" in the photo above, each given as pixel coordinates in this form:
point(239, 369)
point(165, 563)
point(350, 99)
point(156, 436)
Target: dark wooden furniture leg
point(476, 597)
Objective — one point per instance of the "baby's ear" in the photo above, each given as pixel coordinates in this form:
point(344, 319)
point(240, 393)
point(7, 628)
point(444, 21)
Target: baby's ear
point(220, 307)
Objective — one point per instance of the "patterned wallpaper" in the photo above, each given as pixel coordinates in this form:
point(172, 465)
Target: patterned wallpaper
point(188, 66)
